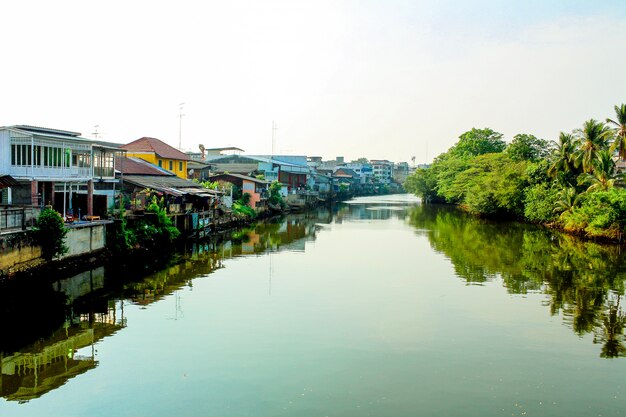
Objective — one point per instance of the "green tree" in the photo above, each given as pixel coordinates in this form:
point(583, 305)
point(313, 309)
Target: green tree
point(603, 176)
point(423, 183)
point(619, 130)
point(477, 142)
point(50, 233)
point(492, 185)
point(566, 200)
point(594, 137)
point(563, 166)
point(525, 147)
point(539, 202)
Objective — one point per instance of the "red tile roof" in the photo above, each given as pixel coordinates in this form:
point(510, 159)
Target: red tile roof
point(157, 146)
point(137, 166)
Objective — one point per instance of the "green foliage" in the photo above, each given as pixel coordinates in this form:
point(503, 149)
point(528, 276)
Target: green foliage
point(123, 238)
point(241, 207)
point(598, 214)
point(478, 142)
point(245, 198)
point(603, 175)
point(563, 165)
point(594, 137)
point(211, 185)
point(526, 147)
point(446, 168)
point(539, 202)
point(493, 185)
point(572, 184)
point(160, 229)
point(276, 199)
point(423, 182)
point(50, 233)
point(619, 131)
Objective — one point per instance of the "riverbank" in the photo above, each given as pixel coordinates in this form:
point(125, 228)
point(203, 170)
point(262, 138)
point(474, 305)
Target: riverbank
point(135, 238)
point(574, 185)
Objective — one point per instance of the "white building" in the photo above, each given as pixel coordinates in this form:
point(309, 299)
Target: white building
point(383, 170)
point(58, 168)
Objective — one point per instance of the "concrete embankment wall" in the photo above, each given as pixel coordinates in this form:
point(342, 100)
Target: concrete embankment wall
point(19, 251)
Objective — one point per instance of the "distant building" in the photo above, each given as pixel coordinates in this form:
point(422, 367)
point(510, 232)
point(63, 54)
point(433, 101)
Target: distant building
point(383, 170)
point(207, 152)
point(401, 172)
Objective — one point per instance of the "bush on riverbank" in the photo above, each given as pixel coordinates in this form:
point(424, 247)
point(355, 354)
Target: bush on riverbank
point(50, 232)
point(154, 231)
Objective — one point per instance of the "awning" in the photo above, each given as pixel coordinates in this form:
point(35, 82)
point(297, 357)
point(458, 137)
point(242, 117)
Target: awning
point(8, 181)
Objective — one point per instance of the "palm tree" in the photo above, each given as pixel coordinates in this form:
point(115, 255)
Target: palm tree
point(604, 175)
point(567, 200)
point(620, 131)
point(564, 161)
point(594, 137)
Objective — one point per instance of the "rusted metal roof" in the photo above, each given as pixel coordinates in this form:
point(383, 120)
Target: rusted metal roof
point(8, 181)
point(171, 185)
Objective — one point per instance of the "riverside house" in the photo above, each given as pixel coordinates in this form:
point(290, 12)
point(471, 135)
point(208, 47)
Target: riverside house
point(59, 168)
point(159, 153)
point(258, 189)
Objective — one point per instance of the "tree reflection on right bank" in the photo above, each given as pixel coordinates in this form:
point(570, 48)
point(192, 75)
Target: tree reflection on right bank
point(584, 280)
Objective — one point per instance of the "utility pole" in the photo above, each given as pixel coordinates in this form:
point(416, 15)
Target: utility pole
point(274, 129)
point(180, 126)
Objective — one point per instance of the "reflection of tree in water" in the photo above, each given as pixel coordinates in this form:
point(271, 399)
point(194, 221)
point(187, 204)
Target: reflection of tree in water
point(611, 334)
point(578, 276)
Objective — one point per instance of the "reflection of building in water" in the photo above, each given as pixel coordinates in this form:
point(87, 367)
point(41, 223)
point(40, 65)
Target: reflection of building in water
point(47, 365)
point(81, 284)
point(169, 280)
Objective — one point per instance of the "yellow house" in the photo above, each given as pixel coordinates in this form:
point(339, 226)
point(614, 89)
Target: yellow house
point(159, 153)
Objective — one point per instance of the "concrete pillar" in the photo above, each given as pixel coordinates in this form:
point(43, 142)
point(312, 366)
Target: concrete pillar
point(34, 193)
point(90, 198)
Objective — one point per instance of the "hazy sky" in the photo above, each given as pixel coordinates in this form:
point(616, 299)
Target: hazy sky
point(380, 79)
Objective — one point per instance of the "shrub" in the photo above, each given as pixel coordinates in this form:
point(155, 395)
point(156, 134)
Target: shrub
point(50, 233)
point(539, 203)
point(599, 214)
point(164, 231)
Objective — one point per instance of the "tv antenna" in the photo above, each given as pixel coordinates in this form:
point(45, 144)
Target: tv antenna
point(95, 133)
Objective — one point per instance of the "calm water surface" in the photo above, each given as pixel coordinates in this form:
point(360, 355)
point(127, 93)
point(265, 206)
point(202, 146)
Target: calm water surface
point(381, 307)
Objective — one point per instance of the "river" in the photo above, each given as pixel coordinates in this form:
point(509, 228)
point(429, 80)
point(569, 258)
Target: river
point(378, 307)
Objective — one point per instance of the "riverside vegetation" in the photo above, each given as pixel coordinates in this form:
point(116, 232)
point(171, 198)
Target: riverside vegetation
point(572, 184)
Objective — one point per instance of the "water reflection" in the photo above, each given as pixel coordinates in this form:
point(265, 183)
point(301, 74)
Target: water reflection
point(67, 318)
point(55, 327)
point(584, 280)
point(49, 363)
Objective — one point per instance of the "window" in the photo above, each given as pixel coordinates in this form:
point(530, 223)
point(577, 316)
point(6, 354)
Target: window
point(180, 166)
point(21, 155)
point(160, 163)
point(171, 166)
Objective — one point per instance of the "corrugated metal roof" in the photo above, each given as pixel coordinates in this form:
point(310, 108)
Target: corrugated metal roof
point(52, 135)
point(171, 185)
point(239, 176)
point(137, 166)
point(8, 181)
